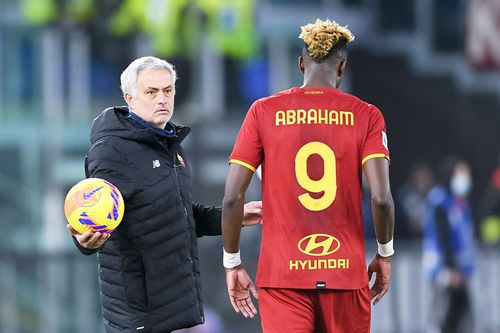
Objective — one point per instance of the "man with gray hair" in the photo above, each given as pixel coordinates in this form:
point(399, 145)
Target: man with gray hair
point(149, 272)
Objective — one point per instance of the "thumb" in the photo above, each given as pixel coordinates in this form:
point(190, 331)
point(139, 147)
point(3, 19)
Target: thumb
point(370, 272)
point(72, 230)
point(253, 290)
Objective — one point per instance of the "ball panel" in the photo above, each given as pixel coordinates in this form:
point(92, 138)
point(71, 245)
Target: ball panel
point(70, 205)
point(76, 223)
point(94, 204)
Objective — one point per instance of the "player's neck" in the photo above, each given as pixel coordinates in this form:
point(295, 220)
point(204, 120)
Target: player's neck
point(319, 84)
point(317, 81)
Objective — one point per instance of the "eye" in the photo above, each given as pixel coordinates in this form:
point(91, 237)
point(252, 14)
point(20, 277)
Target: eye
point(150, 92)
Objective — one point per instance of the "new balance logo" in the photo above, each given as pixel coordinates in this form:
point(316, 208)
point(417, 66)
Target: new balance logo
point(156, 164)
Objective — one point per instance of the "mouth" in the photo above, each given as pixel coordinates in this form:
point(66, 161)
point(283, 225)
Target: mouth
point(162, 111)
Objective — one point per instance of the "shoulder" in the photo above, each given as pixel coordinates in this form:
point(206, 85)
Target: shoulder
point(264, 102)
point(369, 108)
point(372, 114)
point(111, 147)
point(359, 103)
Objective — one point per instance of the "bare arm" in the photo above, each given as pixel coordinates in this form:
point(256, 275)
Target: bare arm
point(238, 282)
point(377, 174)
point(237, 181)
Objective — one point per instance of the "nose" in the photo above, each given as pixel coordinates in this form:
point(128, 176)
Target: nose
point(162, 99)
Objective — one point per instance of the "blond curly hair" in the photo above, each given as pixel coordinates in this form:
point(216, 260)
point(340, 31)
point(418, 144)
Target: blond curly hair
point(321, 36)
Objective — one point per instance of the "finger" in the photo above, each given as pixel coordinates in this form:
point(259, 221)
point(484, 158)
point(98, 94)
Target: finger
point(72, 230)
point(383, 291)
point(377, 299)
point(104, 237)
point(86, 237)
point(248, 308)
point(375, 290)
point(251, 310)
point(380, 295)
point(254, 290)
point(233, 303)
point(255, 207)
point(252, 307)
point(257, 204)
point(101, 239)
point(243, 297)
point(96, 240)
point(370, 273)
point(242, 308)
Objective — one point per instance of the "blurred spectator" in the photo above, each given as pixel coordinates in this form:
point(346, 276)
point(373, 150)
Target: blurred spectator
point(411, 199)
point(489, 209)
point(449, 248)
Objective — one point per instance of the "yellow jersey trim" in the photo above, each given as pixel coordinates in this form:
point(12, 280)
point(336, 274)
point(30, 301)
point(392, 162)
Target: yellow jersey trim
point(369, 157)
point(246, 165)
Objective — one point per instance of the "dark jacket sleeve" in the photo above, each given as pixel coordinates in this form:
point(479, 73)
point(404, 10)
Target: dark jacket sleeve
point(105, 162)
point(207, 219)
point(82, 249)
point(444, 237)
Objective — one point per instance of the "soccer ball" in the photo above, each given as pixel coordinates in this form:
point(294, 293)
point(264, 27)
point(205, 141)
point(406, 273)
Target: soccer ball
point(94, 205)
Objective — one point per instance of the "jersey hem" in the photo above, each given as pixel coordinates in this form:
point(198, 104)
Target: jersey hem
point(246, 165)
point(338, 287)
point(369, 157)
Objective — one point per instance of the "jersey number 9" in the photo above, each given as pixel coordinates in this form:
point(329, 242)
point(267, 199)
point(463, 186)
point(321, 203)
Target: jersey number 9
point(328, 182)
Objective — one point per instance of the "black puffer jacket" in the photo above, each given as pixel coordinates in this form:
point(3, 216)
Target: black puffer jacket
point(149, 270)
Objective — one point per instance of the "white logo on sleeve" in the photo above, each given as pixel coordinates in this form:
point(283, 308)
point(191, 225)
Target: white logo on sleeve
point(384, 140)
point(156, 164)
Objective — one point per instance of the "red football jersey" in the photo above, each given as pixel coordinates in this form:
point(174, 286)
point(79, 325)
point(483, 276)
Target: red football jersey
point(311, 144)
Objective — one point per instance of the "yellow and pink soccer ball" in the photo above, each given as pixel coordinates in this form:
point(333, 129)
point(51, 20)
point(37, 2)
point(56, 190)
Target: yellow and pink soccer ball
point(94, 205)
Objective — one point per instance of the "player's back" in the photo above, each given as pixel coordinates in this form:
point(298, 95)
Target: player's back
point(312, 144)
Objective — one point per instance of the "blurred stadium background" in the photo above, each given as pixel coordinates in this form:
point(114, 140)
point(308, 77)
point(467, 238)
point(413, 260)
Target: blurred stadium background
point(431, 66)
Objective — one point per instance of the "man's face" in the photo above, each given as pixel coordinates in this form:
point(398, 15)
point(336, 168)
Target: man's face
point(154, 102)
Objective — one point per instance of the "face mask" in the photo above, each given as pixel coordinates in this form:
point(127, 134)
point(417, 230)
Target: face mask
point(460, 185)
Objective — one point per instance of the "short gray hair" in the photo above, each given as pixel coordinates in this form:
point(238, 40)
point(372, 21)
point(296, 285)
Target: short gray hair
point(128, 79)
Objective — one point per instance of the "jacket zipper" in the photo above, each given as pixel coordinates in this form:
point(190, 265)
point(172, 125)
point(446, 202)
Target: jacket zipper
point(187, 225)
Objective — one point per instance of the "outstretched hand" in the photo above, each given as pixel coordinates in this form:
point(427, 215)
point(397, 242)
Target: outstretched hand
point(239, 286)
point(381, 266)
point(89, 240)
point(252, 213)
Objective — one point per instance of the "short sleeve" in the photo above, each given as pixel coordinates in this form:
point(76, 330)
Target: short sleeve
point(247, 150)
point(376, 143)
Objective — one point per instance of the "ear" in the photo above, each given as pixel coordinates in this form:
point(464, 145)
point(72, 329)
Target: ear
point(301, 64)
point(340, 71)
point(129, 100)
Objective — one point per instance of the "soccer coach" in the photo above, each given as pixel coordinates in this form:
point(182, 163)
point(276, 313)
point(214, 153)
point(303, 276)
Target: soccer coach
point(149, 273)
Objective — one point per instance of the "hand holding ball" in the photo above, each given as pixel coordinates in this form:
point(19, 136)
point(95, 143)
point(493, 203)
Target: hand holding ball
point(94, 205)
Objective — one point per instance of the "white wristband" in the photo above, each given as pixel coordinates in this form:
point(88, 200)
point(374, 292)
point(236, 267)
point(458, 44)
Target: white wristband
point(231, 260)
point(386, 250)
